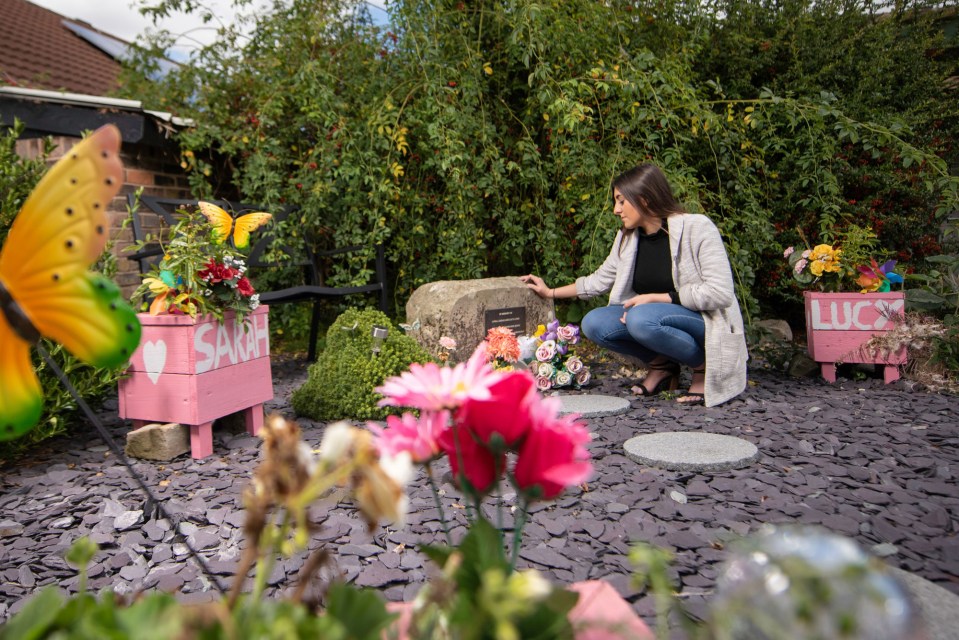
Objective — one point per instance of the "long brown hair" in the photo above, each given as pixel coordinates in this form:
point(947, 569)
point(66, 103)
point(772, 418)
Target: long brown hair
point(646, 188)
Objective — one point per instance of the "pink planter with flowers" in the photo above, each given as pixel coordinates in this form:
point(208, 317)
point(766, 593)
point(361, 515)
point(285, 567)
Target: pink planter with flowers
point(838, 325)
point(195, 370)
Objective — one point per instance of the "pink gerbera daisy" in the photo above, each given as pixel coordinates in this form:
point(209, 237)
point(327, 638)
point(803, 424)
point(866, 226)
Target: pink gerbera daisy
point(416, 436)
point(430, 387)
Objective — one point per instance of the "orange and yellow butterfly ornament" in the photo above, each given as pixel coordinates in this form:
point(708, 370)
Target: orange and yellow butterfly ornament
point(241, 226)
point(46, 289)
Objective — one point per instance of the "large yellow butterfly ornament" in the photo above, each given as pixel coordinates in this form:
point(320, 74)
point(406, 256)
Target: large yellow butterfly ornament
point(223, 223)
point(45, 286)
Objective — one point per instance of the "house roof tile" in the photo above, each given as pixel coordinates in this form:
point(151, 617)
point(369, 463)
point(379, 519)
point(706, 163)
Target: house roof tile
point(37, 51)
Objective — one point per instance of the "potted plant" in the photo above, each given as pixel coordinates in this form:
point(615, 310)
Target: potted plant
point(851, 303)
point(205, 347)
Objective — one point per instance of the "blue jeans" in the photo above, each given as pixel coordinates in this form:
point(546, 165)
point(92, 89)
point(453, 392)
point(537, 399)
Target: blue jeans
point(651, 330)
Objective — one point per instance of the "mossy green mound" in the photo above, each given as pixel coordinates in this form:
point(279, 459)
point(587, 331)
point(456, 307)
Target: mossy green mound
point(341, 382)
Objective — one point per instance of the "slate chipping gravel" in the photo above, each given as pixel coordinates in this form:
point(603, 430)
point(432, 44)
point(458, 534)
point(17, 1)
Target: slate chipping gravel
point(871, 461)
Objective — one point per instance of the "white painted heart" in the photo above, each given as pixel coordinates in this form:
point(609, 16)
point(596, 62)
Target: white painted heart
point(154, 359)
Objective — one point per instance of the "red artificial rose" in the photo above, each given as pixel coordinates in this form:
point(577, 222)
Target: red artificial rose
point(216, 272)
point(244, 287)
point(506, 412)
point(479, 467)
point(553, 455)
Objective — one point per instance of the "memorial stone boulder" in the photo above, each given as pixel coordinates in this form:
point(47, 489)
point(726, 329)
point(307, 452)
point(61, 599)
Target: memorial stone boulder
point(466, 309)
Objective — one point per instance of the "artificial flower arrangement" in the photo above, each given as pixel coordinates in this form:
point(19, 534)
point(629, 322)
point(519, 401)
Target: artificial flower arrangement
point(553, 362)
point(492, 426)
point(199, 272)
point(447, 347)
point(502, 348)
point(828, 266)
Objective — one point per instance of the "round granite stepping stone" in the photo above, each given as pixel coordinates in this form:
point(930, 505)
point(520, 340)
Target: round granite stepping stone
point(938, 608)
point(593, 406)
point(691, 451)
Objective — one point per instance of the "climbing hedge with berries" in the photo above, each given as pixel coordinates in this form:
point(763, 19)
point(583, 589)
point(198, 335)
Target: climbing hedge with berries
point(479, 138)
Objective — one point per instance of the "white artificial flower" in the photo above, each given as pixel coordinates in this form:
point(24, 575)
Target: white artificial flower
point(544, 370)
point(337, 440)
point(527, 348)
point(399, 467)
point(530, 584)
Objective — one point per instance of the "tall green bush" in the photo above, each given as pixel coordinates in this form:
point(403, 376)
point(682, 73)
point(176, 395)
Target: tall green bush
point(881, 61)
point(18, 176)
point(479, 138)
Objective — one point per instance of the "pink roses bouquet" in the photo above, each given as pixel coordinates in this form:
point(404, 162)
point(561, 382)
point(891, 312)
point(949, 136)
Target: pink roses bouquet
point(492, 425)
point(554, 364)
point(475, 415)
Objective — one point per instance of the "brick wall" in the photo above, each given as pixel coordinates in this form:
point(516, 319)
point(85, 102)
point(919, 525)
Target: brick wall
point(156, 170)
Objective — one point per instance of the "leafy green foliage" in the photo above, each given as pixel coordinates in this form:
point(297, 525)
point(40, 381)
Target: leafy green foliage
point(18, 176)
point(940, 295)
point(481, 601)
point(361, 613)
point(84, 617)
point(350, 614)
point(342, 380)
point(479, 138)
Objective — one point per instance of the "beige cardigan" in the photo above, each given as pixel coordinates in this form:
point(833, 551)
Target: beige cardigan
point(704, 280)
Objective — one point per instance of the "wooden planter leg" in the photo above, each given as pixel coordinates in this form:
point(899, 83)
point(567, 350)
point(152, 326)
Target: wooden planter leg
point(253, 417)
point(890, 373)
point(201, 440)
point(828, 371)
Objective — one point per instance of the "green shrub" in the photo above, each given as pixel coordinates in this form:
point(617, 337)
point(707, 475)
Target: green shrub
point(18, 176)
point(341, 381)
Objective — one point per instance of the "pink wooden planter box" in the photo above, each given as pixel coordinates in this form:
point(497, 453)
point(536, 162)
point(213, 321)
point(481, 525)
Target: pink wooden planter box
point(193, 371)
point(838, 324)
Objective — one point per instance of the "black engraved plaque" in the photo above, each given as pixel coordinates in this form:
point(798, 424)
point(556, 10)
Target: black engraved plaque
point(513, 318)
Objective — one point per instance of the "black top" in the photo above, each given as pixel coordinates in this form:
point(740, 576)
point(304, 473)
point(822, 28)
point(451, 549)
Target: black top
point(653, 272)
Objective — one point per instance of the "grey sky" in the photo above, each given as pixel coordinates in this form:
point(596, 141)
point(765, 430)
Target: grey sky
point(122, 19)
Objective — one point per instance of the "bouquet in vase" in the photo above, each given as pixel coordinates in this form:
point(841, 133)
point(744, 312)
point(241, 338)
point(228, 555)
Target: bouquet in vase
point(553, 362)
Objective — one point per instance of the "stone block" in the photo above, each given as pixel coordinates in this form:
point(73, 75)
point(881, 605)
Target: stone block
point(802, 366)
point(777, 330)
point(458, 309)
point(158, 441)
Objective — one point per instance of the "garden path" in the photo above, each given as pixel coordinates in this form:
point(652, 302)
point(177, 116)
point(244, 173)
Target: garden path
point(874, 462)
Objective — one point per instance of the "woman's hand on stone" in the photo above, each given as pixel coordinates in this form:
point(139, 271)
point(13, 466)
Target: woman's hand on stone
point(536, 285)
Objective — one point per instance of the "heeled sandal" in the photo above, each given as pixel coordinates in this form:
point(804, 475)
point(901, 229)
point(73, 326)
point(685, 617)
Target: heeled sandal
point(668, 383)
point(694, 397)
